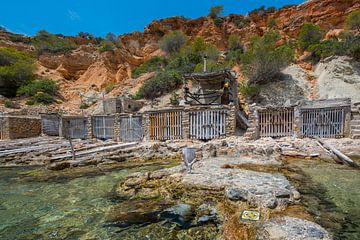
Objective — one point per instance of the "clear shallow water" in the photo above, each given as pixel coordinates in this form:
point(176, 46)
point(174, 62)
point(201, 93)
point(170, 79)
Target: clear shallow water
point(331, 193)
point(70, 209)
point(77, 208)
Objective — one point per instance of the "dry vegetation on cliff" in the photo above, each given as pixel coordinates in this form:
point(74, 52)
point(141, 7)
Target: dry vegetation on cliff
point(85, 64)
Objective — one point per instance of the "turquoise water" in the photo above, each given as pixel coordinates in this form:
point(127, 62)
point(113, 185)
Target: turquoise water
point(331, 193)
point(70, 209)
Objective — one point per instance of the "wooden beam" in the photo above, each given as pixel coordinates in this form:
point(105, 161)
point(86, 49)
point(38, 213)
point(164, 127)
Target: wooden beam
point(339, 154)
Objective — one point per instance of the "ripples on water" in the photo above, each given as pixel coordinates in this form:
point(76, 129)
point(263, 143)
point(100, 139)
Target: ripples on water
point(71, 209)
point(77, 208)
point(332, 195)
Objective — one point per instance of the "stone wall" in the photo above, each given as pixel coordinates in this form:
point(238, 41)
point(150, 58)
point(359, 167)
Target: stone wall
point(15, 127)
point(355, 121)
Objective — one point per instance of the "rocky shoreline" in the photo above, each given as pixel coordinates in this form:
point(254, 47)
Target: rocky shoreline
point(230, 176)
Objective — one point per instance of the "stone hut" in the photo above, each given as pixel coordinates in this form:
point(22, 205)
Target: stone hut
point(121, 105)
point(15, 127)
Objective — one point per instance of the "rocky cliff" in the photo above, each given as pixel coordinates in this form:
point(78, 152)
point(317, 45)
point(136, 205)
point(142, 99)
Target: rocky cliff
point(87, 70)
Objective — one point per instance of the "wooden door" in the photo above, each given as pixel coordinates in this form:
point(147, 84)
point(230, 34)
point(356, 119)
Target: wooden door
point(131, 129)
point(322, 122)
point(50, 125)
point(205, 125)
point(103, 127)
point(276, 122)
point(166, 125)
point(78, 128)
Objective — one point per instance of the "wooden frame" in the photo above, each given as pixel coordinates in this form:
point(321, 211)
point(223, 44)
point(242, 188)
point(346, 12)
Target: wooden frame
point(276, 122)
point(322, 122)
point(208, 124)
point(103, 127)
point(50, 124)
point(165, 125)
point(131, 129)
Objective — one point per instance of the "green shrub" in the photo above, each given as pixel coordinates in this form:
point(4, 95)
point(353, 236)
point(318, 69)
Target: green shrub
point(9, 104)
point(43, 98)
point(242, 22)
point(174, 99)
point(218, 22)
point(325, 49)
point(30, 102)
point(211, 66)
point(16, 68)
point(171, 69)
point(111, 37)
point(172, 42)
point(164, 82)
point(249, 90)
point(272, 24)
point(39, 85)
point(198, 49)
point(151, 65)
point(46, 42)
point(19, 38)
point(347, 44)
point(84, 106)
point(262, 10)
point(353, 20)
point(234, 56)
point(351, 45)
point(106, 46)
point(309, 34)
point(109, 87)
point(264, 60)
point(215, 11)
point(85, 35)
point(257, 11)
point(191, 55)
point(234, 42)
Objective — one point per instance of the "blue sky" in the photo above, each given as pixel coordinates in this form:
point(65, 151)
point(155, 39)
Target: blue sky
point(102, 16)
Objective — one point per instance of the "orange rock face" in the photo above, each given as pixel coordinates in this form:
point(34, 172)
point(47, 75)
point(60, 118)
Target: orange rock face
point(85, 67)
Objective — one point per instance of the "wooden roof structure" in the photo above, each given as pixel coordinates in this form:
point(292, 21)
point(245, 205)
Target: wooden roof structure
point(210, 88)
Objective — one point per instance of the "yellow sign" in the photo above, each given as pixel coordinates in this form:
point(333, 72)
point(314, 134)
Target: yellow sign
point(250, 215)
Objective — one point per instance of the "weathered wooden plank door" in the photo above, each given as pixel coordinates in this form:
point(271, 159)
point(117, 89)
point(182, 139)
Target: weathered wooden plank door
point(166, 125)
point(322, 122)
point(50, 125)
point(205, 125)
point(131, 129)
point(103, 127)
point(77, 128)
point(276, 122)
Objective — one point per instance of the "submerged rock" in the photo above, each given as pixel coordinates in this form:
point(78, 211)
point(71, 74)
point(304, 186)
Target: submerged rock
point(135, 212)
point(291, 228)
point(206, 213)
point(181, 214)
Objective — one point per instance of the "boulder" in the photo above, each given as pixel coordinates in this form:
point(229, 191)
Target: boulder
point(290, 228)
point(236, 194)
point(181, 214)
